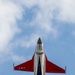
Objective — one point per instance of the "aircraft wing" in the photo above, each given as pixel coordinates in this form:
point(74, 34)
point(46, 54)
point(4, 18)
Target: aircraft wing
point(52, 68)
point(26, 66)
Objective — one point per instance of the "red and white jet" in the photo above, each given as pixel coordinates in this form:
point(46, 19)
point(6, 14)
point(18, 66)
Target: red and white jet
point(39, 64)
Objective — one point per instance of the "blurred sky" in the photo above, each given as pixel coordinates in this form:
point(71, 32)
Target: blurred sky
point(22, 22)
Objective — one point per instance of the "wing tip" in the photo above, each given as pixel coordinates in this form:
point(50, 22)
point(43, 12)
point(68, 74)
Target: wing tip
point(13, 66)
point(65, 69)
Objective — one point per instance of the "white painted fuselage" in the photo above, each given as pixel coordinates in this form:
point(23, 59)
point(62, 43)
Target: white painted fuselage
point(39, 60)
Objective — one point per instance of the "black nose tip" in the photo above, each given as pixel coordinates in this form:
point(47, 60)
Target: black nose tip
point(39, 41)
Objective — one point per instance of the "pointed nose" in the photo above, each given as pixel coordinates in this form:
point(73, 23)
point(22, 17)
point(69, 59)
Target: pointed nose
point(39, 41)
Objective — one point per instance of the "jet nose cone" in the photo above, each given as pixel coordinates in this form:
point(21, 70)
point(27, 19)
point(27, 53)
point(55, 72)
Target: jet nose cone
point(39, 41)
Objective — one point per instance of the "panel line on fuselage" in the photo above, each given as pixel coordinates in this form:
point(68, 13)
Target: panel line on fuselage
point(39, 72)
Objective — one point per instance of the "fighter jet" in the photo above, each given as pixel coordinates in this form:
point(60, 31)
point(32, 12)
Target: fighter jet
point(39, 64)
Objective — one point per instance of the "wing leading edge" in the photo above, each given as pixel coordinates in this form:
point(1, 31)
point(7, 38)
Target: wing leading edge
point(52, 68)
point(26, 66)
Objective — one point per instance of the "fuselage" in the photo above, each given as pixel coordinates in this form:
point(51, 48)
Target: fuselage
point(39, 59)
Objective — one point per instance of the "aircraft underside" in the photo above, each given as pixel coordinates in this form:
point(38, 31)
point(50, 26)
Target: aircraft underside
point(39, 64)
